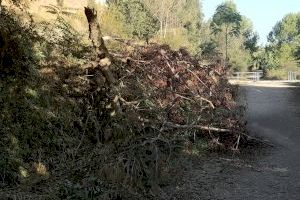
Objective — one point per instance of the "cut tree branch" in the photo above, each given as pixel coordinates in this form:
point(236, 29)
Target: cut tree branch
point(206, 128)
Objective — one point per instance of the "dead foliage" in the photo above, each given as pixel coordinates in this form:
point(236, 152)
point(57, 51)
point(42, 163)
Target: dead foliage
point(170, 91)
point(165, 96)
point(77, 146)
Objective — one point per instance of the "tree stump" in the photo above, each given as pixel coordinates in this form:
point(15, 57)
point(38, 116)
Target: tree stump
point(103, 61)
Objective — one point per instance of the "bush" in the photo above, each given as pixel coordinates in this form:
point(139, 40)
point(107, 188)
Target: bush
point(176, 39)
point(17, 60)
point(16, 44)
point(140, 23)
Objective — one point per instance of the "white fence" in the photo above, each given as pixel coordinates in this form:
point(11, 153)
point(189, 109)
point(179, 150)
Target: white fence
point(292, 76)
point(254, 76)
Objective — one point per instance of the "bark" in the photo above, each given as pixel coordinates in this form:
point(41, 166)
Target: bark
point(103, 59)
point(103, 56)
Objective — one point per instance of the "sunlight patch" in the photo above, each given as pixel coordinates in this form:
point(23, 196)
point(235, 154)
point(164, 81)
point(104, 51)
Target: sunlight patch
point(24, 173)
point(31, 92)
point(40, 169)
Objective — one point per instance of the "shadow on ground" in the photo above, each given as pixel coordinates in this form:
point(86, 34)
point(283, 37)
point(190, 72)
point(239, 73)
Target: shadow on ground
point(259, 172)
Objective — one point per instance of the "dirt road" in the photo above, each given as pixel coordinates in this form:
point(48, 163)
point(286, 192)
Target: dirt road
point(263, 173)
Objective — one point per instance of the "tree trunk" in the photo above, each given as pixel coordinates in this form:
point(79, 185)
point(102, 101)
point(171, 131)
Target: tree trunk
point(104, 59)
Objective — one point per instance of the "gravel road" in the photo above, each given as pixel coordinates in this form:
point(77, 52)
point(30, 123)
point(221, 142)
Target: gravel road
point(263, 173)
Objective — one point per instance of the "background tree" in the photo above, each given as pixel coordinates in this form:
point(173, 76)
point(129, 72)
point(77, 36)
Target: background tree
point(282, 51)
point(228, 20)
point(143, 24)
point(209, 49)
point(180, 22)
point(139, 20)
point(191, 19)
point(297, 54)
point(250, 43)
point(251, 40)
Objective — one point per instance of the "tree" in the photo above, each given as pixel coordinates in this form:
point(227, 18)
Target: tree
point(250, 36)
point(250, 43)
point(284, 39)
point(209, 49)
point(140, 22)
point(103, 60)
point(251, 39)
point(297, 54)
point(191, 18)
point(286, 30)
point(227, 19)
point(143, 24)
point(166, 12)
point(180, 22)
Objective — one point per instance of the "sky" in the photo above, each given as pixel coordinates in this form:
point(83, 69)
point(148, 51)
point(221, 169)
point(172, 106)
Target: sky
point(264, 14)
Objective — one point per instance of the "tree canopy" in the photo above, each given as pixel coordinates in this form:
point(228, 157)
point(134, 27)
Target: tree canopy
point(284, 40)
point(139, 21)
point(228, 20)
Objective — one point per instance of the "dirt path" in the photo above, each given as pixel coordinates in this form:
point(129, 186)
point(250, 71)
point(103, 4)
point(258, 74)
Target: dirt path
point(269, 173)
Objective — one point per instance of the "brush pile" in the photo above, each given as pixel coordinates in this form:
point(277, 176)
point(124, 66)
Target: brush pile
point(61, 137)
point(165, 97)
point(171, 92)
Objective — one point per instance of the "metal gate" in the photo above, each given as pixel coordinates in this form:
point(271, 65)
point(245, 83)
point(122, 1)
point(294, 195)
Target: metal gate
point(292, 76)
point(254, 76)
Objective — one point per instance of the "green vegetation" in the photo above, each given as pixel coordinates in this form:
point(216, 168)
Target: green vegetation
point(230, 35)
point(138, 19)
point(281, 52)
point(87, 118)
point(227, 18)
point(180, 24)
point(82, 121)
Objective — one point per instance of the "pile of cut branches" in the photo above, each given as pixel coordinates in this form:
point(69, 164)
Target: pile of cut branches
point(165, 96)
point(172, 92)
point(107, 129)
